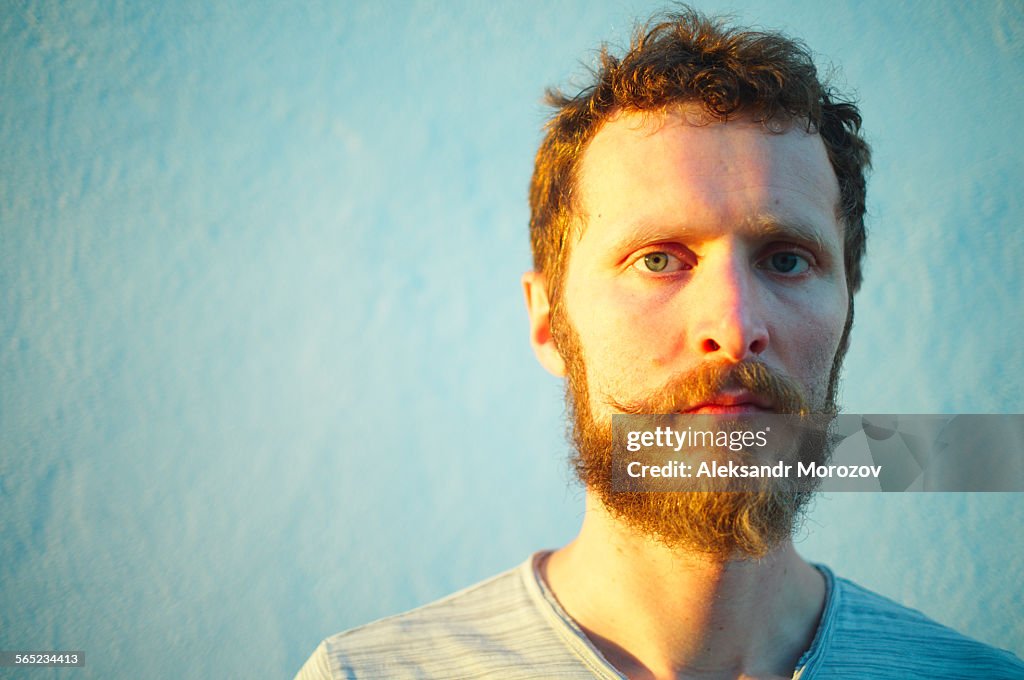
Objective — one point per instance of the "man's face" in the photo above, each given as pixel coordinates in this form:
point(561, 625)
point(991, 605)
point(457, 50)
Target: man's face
point(702, 248)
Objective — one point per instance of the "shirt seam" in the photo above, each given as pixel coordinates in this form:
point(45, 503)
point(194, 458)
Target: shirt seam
point(561, 623)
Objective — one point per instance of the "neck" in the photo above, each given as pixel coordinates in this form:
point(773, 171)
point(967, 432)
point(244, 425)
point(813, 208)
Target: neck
point(657, 612)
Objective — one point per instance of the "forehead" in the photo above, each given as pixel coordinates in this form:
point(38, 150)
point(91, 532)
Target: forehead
point(667, 169)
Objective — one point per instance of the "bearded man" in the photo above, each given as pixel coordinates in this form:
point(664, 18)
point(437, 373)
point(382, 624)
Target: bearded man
point(698, 229)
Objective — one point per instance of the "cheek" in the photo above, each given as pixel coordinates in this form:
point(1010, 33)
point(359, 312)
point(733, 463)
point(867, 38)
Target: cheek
point(809, 344)
point(834, 323)
point(626, 340)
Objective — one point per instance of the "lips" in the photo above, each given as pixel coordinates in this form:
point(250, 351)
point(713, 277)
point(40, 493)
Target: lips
point(731, 403)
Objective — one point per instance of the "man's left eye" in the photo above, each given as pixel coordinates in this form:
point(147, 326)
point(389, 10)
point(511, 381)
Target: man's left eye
point(786, 262)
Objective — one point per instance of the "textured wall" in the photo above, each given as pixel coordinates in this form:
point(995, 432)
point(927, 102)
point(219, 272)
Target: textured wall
point(264, 370)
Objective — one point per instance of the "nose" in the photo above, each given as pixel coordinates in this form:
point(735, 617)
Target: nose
point(728, 320)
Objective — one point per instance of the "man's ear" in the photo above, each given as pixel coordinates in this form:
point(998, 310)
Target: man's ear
point(539, 308)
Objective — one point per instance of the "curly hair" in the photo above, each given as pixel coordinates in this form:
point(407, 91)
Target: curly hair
point(689, 58)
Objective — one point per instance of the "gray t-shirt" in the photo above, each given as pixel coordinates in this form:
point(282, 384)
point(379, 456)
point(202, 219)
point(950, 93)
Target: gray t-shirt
point(511, 626)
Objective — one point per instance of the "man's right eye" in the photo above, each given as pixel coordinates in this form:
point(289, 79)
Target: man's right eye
point(660, 262)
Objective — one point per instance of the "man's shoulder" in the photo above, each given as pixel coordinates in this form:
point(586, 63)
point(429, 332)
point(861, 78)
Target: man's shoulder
point(868, 634)
point(478, 606)
point(490, 629)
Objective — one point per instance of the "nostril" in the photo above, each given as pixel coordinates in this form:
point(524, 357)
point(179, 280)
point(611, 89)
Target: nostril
point(711, 346)
point(758, 346)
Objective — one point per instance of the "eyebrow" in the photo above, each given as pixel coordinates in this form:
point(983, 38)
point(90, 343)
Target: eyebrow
point(771, 227)
point(760, 227)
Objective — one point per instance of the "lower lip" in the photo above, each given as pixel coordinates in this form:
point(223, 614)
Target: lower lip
point(718, 409)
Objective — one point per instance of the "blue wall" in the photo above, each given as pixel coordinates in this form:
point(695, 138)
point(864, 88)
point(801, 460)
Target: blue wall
point(264, 370)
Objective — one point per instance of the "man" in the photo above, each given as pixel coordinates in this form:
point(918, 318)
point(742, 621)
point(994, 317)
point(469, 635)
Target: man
point(697, 230)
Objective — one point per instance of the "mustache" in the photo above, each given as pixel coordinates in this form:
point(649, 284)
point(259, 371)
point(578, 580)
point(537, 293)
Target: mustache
point(702, 384)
